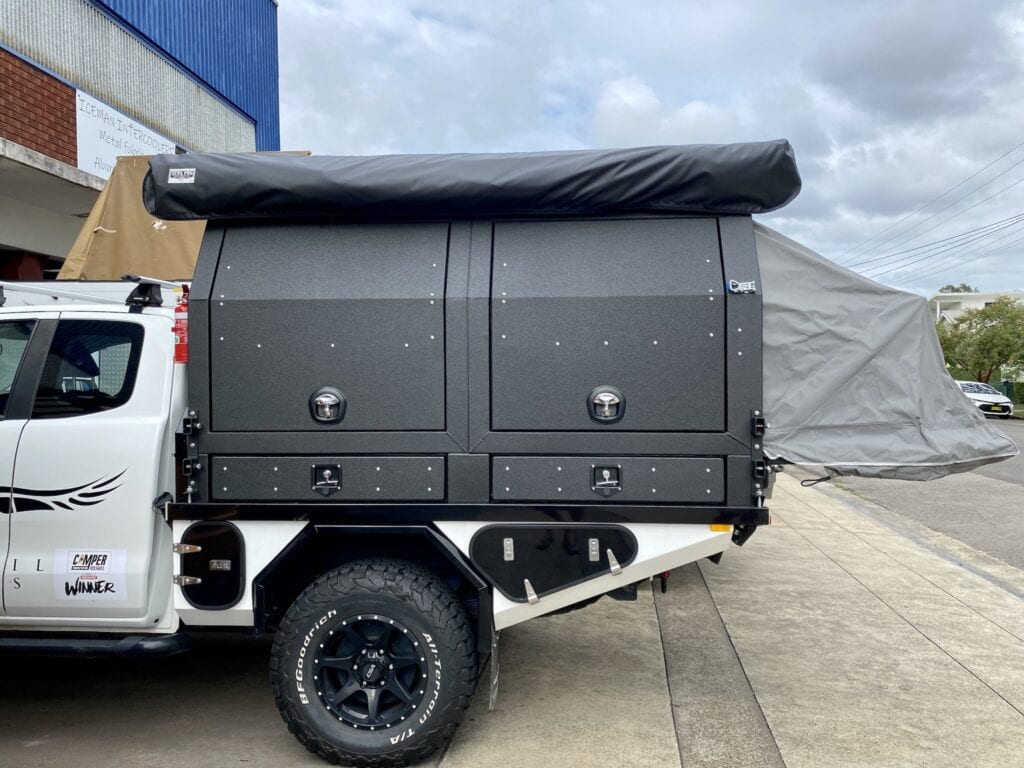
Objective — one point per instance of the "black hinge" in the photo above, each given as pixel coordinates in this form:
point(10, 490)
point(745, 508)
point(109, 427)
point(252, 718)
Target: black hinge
point(757, 424)
point(190, 466)
point(760, 470)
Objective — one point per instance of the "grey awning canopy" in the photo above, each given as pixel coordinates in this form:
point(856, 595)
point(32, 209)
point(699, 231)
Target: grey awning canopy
point(854, 378)
point(714, 179)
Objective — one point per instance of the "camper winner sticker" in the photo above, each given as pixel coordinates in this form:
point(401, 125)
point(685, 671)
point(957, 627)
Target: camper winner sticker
point(90, 574)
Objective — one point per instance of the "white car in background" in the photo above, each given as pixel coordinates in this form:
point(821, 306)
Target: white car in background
point(989, 400)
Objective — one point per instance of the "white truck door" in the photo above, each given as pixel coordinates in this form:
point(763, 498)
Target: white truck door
point(89, 465)
point(14, 339)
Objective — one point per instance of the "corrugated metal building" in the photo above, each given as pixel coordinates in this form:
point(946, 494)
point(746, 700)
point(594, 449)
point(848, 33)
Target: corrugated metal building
point(85, 81)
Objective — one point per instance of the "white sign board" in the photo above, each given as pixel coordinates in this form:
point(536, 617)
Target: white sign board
point(104, 134)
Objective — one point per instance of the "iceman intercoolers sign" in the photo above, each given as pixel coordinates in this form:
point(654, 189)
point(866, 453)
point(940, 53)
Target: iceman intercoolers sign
point(104, 133)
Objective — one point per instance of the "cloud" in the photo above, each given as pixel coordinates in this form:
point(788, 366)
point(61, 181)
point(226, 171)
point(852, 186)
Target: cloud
point(627, 109)
point(392, 78)
point(910, 60)
point(888, 103)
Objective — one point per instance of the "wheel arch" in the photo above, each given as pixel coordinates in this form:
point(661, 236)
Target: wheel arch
point(321, 548)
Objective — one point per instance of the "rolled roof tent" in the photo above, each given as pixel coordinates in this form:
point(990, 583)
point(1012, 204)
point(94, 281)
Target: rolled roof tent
point(854, 378)
point(730, 179)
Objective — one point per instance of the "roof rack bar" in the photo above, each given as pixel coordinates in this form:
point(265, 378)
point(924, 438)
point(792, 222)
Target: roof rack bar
point(150, 280)
point(57, 294)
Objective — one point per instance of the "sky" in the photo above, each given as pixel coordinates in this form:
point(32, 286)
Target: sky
point(906, 116)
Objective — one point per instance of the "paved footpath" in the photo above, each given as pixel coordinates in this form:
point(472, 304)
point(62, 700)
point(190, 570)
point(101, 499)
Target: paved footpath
point(831, 639)
point(864, 647)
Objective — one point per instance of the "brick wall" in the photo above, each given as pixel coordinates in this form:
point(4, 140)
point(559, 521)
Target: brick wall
point(36, 110)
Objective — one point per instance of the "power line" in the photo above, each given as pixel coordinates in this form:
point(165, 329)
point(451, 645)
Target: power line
point(961, 237)
point(958, 260)
point(946, 208)
point(894, 267)
point(933, 200)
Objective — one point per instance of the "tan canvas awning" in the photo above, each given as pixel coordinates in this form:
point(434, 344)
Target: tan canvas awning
point(121, 237)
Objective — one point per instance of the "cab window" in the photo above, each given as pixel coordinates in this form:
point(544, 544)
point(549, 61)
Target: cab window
point(14, 337)
point(91, 367)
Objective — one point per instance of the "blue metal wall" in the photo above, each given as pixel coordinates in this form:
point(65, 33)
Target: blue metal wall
point(229, 44)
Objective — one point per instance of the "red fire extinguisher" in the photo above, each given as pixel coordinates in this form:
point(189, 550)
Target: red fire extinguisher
point(181, 327)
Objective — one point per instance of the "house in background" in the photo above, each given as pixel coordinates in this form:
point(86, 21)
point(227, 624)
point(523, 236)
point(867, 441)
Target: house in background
point(947, 306)
point(83, 82)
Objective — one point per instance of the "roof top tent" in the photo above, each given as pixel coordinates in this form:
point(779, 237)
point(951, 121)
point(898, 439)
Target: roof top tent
point(577, 330)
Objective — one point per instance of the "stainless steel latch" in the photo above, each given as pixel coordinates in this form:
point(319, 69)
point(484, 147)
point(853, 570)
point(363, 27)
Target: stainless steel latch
point(607, 480)
point(606, 405)
point(327, 405)
point(326, 478)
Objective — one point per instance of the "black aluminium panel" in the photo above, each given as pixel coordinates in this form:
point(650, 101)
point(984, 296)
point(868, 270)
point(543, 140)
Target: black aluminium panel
point(467, 432)
point(358, 478)
point(743, 354)
point(643, 480)
point(456, 327)
point(469, 478)
point(633, 304)
point(214, 590)
point(358, 307)
point(551, 557)
point(478, 333)
point(199, 358)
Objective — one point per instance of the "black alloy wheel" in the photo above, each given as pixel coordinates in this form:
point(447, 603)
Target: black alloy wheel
point(370, 672)
point(374, 664)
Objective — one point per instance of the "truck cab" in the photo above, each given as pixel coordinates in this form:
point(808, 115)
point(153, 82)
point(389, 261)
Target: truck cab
point(89, 407)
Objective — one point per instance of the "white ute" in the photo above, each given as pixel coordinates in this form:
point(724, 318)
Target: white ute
point(426, 399)
point(96, 445)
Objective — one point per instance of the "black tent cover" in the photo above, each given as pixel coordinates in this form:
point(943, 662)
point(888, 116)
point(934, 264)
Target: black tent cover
point(713, 179)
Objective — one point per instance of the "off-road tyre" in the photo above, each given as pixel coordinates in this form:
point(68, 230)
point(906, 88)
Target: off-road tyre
point(309, 665)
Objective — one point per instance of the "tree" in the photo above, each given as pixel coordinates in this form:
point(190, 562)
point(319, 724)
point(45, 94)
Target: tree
point(961, 288)
point(980, 341)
